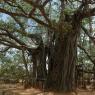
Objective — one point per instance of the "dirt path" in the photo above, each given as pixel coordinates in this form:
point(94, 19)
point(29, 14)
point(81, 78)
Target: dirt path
point(19, 90)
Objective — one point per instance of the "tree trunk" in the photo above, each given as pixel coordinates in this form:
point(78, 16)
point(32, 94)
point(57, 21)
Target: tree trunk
point(62, 75)
point(34, 73)
point(94, 76)
point(27, 77)
point(39, 65)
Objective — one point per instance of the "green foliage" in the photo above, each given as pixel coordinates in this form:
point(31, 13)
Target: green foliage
point(85, 21)
point(11, 65)
point(68, 11)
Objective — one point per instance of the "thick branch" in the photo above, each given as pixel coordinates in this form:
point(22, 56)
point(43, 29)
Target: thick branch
point(11, 13)
point(26, 16)
point(40, 7)
point(10, 45)
point(86, 53)
point(13, 37)
point(88, 34)
point(86, 14)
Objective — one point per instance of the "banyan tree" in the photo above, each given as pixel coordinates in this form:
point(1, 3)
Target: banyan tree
point(48, 30)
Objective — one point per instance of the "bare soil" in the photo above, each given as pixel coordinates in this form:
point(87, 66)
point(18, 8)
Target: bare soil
point(18, 89)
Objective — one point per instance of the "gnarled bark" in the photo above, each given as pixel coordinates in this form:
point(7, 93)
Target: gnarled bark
point(62, 73)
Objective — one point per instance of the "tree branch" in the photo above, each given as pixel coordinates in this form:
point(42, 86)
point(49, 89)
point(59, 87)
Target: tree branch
point(86, 14)
point(5, 49)
point(13, 37)
point(86, 53)
point(88, 34)
point(10, 45)
point(26, 16)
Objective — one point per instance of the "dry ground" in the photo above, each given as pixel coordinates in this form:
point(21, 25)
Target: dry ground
point(19, 90)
